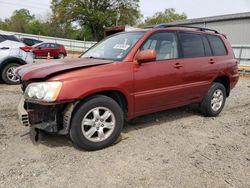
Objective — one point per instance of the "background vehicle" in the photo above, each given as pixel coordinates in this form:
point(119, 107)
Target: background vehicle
point(12, 55)
point(30, 41)
point(42, 49)
point(128, 75)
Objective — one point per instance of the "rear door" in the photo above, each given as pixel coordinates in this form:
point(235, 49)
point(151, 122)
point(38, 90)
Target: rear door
point(219, 51)
point(54, 48)
point(157, 84)
point(198, 62)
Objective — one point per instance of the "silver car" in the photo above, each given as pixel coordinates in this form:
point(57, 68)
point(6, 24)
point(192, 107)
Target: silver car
point(12, 55)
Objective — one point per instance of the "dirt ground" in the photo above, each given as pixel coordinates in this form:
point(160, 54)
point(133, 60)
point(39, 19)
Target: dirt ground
point(174, 148)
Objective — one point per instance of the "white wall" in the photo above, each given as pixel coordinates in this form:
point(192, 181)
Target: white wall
point(72, 45)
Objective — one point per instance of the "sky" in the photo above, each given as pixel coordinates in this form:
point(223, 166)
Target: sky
point(193, 8)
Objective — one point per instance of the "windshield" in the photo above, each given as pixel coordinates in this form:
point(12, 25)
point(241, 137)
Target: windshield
point(115, 47)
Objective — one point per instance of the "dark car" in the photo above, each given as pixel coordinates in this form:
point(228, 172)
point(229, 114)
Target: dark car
point(30, 41)
point(54, 50)
point(127, 75)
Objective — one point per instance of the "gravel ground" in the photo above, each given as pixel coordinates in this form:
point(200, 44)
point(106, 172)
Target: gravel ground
point(174, 148)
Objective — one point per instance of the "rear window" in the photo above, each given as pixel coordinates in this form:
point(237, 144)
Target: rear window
point(192, 45)
point(217, 45)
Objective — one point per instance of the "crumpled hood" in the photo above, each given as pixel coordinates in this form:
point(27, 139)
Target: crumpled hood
point(42, 70)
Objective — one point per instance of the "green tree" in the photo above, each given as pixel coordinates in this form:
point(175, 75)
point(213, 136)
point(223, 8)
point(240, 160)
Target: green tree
point(22, 21)
point(19, 20)
point(168, 15)
point(94, 15)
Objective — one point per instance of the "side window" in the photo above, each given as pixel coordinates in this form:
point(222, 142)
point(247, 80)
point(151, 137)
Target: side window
point(45, 45)
point(192, 45)
point(12, 38)
point(2, 38)
point(53, 46)
point(164, 43)
point(207, 47)
point(217, 45)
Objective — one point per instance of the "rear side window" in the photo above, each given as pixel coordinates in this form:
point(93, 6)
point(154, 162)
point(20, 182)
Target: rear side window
point(192, 45)
point(207, 48)
point(217, 45)
point(54, 46)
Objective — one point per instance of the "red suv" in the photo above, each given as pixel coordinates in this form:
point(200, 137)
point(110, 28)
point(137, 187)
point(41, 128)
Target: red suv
point(42, 49)
point(128, 75)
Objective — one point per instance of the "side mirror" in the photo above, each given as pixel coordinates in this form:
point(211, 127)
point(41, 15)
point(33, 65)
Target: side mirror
point(146, 56)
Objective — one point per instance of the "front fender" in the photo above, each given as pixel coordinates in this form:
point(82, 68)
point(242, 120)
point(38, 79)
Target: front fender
point(11, 59)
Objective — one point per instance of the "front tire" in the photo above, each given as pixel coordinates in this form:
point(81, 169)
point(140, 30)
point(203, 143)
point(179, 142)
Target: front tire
point(97, 123)
point(214, 102)
point(8, 74)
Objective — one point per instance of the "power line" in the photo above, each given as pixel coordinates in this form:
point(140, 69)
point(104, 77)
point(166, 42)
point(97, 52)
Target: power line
point(25, 5)
point(42, 4)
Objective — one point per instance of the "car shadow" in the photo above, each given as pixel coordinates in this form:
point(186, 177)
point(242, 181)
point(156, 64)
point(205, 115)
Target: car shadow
point(54, 140)
point(161, 117)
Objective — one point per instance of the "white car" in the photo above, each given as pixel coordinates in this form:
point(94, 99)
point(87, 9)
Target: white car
point(12, 55)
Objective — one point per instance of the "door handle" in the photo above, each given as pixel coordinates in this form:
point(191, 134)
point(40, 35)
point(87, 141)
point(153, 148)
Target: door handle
point(178, 65)
point(211, 61)
point(4, 48)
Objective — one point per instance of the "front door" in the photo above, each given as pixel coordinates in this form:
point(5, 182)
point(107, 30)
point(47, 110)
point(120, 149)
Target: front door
point(158, 84)
point(42, 50)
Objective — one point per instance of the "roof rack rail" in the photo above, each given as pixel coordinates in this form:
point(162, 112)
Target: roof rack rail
point(185, 26)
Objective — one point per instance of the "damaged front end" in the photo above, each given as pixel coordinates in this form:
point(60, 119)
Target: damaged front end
point(50, 117)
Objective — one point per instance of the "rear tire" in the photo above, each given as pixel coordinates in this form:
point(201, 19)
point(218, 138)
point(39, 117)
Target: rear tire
point(213, 103)
point(60, 56)
point(8, 75)
point(97, 123)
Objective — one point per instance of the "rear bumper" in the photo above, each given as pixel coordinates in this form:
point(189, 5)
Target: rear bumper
point(233, 80)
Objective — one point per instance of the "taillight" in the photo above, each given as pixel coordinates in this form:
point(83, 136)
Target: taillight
point(25, 49)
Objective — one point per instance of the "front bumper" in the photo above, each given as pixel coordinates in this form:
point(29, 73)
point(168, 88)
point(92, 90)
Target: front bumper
point(51, 118)
point(22, 113)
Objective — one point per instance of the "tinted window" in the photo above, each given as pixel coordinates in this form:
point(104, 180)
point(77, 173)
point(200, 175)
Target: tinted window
point(164, 43)
point(45, 45)
point(217, 45)
point(54, 45)
point(11, 37)
point(28, 42)
point(207, 47)
point(192, 45)
point(2, 38)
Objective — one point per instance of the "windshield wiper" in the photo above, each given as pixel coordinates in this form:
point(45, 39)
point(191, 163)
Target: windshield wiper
point(92, 57)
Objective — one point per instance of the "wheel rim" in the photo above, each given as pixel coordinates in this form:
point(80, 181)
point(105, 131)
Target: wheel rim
point(217, 100)
point(61, 56)
point(11, 74)
point(98, 124)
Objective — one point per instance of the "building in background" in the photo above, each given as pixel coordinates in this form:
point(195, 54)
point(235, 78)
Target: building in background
point(235, 26)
